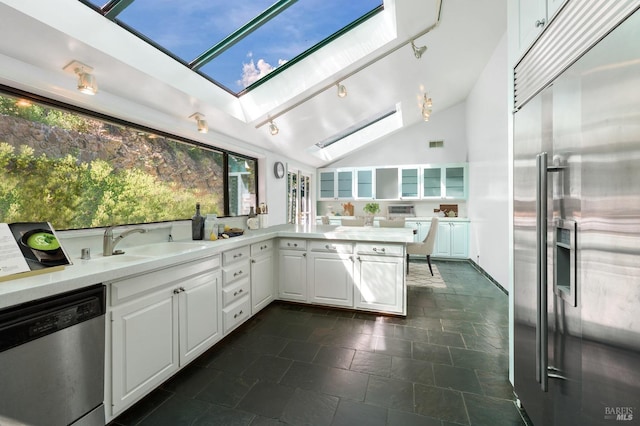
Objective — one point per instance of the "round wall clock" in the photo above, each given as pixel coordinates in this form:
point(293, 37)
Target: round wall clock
point(278, 169)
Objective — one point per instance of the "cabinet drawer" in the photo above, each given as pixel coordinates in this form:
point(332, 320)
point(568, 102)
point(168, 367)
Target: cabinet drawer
point(235, 292)
point(330, 247)
point(293, 244)
point(380, 249)
point(236, 314)
point(135, 286)
point(261, 247)
point(235, 255)
point(235, 272)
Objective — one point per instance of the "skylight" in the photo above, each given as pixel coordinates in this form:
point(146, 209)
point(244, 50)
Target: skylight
point(357, 127)
point(237, 44)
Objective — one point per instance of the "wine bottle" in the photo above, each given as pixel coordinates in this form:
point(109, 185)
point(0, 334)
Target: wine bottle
point(197, 224)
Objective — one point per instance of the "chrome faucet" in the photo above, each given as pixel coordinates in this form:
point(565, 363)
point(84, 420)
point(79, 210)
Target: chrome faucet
point(109, 243)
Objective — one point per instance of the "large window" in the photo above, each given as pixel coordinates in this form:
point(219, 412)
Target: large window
point(78, 170)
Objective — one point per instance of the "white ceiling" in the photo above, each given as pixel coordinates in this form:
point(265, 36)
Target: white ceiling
point(141, 85)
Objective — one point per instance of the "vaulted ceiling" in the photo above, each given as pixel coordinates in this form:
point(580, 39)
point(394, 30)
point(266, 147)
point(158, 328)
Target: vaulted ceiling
point(374, 60)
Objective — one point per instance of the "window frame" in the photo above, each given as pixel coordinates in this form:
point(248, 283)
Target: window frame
point(52, 103)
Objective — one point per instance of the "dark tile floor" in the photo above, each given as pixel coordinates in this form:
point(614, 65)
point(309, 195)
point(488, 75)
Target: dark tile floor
point(445, 364)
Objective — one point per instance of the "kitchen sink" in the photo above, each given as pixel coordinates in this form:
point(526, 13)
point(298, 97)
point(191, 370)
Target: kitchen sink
point(164, 249)
point(120, 258)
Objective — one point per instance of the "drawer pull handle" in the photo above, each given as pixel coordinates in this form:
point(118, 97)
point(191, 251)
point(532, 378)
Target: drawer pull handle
point(376, 249)
point(235, 293)
point(237, 255)
point(235, 274)
point(330, 247)
point(237, 315)
point(176, 291)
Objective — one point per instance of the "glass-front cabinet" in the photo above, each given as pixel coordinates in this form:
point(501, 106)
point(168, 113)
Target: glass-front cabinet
point(432, 182)
point(428, 182)
point(444, 182)
point(454, 182)
point(409, 183)
point(365, 184)
point(335, 184)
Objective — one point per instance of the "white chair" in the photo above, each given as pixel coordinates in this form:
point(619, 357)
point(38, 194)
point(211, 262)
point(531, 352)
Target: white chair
point(394, 223)
point(425, 248)
point(352, 222)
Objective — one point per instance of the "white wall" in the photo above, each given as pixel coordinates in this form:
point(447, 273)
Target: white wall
point(487, 135)
point(411, 145)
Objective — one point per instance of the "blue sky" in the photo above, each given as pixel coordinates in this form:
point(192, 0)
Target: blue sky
point(187, 28)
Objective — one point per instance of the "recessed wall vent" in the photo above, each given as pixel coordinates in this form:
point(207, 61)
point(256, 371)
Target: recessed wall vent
point(436, 144)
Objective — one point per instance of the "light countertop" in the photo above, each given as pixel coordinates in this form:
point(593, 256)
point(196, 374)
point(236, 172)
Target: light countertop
point(103, 270)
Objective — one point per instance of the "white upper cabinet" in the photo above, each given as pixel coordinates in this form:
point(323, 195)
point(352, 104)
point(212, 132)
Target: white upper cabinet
point(409, 183)
point(365, 184)
point(442, 181)
point(445, 182)
point(335, 184)
point(533, 17)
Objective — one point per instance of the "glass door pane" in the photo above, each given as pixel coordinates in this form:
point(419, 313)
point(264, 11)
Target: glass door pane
point(364, 184)
point(454, 182)
point(431, 182)
point(409, 183)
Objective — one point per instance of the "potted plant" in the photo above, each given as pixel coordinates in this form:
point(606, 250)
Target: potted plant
point(371, 209)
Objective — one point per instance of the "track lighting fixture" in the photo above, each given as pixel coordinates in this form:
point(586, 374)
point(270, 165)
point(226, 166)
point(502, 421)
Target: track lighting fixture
point(342, 91)
point(273, 129)
point(87, 83)
point(201, 123)
point(418, 51)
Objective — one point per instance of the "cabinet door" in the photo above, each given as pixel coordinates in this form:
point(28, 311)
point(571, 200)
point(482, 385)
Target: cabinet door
point(261, 281)
point(380, 284)
point(327, 185)
point(345, 184)
point(409, 183)
point(455, 183)
point(292, 275)
point(330, 279)
point(532, 17)
point(443, 240)
point(144, 346)
point(459, 240)
point(364, 184)
point(200, 315)
point(432, 182)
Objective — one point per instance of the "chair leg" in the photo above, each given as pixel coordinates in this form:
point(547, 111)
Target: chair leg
point(429, 262)
point(407, 263)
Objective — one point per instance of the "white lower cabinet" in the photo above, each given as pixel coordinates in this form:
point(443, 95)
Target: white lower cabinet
point(262, 291)
point(452, 240)
point(292, 270)
point(330, 273)
point(379, 278)
point(159, 322)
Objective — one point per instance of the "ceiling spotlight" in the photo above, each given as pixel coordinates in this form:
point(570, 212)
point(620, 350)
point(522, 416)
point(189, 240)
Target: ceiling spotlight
point(342, 91)
point(418, 51)
point(87, 83)
point(273, 129)
point(203, 127)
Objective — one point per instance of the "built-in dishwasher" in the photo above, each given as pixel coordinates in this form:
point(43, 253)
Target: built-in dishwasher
point(52, 360)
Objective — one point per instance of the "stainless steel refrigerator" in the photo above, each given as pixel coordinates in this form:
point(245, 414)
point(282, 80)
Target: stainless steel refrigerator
point(577, 240)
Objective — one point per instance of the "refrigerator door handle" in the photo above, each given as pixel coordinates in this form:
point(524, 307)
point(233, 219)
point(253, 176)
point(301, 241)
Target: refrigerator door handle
point(542, 356)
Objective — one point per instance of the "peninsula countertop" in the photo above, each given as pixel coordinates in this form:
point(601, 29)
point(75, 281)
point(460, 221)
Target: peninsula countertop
point(101, 269)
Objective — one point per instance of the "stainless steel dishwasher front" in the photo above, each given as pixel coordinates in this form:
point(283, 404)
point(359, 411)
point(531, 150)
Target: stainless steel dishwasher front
point(52, 360)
